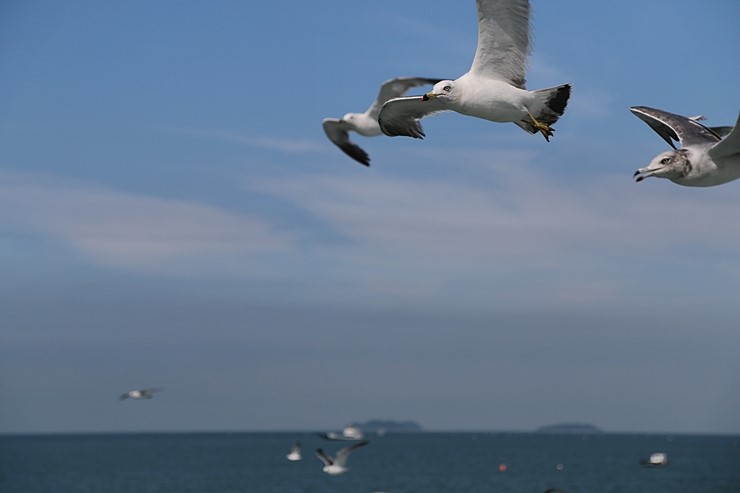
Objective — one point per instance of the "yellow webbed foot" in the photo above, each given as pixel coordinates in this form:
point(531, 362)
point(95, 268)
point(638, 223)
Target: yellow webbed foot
point(543, 128)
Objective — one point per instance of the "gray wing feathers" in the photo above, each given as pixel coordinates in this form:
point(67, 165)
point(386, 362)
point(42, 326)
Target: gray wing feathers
point(323, 457)
point(670, 127)
point(394, 88)
point(338, 133)
point(400, 116)
point(722, 131)
point(729, 145)
point(342, 454)
point(504, 34)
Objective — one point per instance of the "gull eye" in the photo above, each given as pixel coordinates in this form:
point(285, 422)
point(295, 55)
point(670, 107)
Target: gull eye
point(665, 160)
point(447, 88)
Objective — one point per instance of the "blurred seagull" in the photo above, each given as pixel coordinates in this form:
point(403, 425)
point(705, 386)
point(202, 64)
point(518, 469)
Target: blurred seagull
point(336, 465)
point(295, 452)
point(494, 87)
point(141, 393)
point(367, 123)
point(707, 157)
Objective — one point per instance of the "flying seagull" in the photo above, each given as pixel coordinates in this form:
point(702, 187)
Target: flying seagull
point(141, 393)
point(367, 123)
point(494, 87)
point(336, 465)
point(707, 156)
point(295, 452)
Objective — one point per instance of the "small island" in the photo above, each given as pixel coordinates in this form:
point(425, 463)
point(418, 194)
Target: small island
point(570, 428)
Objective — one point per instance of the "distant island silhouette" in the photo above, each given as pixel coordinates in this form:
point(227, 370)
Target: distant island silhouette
point(388, 426)
point(578, 428)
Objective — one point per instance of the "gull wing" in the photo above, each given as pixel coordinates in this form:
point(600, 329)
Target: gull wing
point(394, 88)
point(147, 393)
point(723, 131)
point(687, 131)
point(323, 457)
point(729, 145)
point(338, 133)
point(400, 116)
point(504, 34)
point(342, 454)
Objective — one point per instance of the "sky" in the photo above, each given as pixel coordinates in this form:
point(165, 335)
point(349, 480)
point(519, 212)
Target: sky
point(172, 215)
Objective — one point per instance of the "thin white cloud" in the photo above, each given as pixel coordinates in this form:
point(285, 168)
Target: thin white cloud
point(422, 235)
point(117, 228)
point(521, 216)
point(280, 144)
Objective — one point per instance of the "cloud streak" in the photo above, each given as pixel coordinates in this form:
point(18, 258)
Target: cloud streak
point(581, 239)
point(124, 229)
point(284, 145)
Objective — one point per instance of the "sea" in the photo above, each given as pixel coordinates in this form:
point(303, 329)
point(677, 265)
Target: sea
point(394, 463)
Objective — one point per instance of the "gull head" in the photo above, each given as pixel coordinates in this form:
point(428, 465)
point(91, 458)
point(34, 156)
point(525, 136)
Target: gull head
point(349, 117)
point(443, 89)
point(669, 164)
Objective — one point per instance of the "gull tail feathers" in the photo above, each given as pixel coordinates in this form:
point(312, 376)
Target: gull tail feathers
point(553, 102)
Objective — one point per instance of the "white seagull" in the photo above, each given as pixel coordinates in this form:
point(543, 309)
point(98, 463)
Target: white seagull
point(707, 157)
point(140, 393)
point(367, 123)
point(336, 465)
point(494, 87)
point(295, 452)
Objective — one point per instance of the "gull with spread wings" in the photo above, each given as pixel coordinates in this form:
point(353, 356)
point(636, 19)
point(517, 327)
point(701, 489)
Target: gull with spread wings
point(367, 123)
point(337, 464)
point(494, 87)
point(147, 393)
point(708, 156)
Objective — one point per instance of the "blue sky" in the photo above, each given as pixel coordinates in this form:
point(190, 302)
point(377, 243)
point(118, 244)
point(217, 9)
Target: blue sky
point(171, 214)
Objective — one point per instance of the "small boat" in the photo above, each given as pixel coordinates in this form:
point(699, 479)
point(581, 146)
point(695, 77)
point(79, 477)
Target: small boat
point(350, 432)
point(656, 459)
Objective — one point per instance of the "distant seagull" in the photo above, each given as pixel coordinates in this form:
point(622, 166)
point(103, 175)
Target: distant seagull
point(295, 452)
point(336, 465)
point(367, 123)
point(494, 87)
point(707, 157)
point(141, 393)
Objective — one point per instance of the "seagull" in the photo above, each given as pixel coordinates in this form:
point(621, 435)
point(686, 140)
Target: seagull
point(336, 465)
point(367, 123)
point(140, 393)
point(707, 156)
point(494, 87)
point(295, 452)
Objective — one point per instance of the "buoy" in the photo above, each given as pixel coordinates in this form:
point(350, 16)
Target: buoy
point(502, 467)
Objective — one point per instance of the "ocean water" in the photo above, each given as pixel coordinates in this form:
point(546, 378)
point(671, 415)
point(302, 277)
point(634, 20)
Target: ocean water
point(395, 463)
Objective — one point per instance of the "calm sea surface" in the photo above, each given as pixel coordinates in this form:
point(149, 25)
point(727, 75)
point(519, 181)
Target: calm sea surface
point(395, 463)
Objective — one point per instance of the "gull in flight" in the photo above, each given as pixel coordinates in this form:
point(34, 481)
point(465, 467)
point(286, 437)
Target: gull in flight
point(494, 87)
point(708, 156)
point(367, 123)
point(295, 452)
point(140, 393)
point(336, 465)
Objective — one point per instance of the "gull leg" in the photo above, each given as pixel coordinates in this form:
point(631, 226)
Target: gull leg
point(544, 128)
